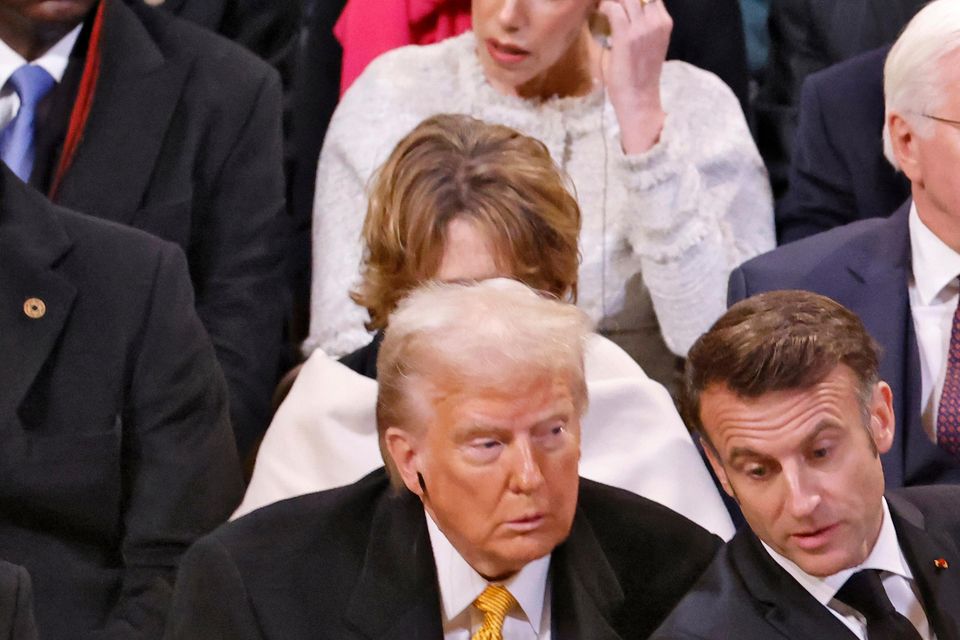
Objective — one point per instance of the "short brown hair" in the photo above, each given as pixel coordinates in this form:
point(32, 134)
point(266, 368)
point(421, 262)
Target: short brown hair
point(453, 166)
point(778, 341)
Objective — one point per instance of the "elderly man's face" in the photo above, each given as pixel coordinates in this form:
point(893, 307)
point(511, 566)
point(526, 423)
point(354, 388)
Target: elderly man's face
point(501, 470)
point(931, 161)
point(802, 466)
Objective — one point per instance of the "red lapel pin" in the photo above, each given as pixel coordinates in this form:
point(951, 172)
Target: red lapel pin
point(941, 563)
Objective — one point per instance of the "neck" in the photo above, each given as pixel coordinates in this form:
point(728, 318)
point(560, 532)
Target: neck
point(937, 218)
point(30, 39)
point(572, 75)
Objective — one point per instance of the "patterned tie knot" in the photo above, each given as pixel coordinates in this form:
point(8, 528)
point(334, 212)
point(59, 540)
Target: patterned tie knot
point(31, 83)
point(494, 602)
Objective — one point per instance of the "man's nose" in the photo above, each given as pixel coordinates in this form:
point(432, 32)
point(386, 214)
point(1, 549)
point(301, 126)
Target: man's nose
point(803, 492)
point(527, 476)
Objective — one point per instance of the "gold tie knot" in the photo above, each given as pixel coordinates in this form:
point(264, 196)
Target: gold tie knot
point(494, 602)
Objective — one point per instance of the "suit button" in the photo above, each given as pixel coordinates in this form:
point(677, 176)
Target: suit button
point(34, 308)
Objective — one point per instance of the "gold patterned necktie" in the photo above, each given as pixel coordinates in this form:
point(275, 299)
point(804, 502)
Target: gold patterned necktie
point(494, 602)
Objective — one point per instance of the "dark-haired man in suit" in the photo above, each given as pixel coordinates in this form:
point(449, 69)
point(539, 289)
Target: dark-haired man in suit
point(135, 116)
point(900, 274)
point(115, 444)
point(479, 528)
point(785, 394)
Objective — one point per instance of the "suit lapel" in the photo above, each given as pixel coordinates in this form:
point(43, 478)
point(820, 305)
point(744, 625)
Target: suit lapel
point(881, 270)
point(396, 596)
point(134, 101)
point(31, 242)
point(585, 589)
point(939, 588)
point(789, 608)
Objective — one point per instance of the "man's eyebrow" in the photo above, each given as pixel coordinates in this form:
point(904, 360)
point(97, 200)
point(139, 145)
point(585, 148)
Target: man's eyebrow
point(744, 452)
point(827, 424)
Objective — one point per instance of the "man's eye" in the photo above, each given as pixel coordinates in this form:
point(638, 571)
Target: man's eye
point(821, 452)
point(756, 471)
point(486, 443)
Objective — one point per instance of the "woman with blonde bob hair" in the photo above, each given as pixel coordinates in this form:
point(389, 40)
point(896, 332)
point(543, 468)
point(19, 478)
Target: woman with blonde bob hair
point(461, 200)
point(502, 185)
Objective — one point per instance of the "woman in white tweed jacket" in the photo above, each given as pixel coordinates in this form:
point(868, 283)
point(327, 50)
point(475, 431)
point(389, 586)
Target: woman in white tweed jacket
point(672, 189)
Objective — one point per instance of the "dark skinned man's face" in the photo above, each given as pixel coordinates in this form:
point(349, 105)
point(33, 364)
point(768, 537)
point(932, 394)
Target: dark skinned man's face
point(31, 27)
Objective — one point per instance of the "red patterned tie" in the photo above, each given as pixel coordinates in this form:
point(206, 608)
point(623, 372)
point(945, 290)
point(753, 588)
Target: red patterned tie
point(948, 414)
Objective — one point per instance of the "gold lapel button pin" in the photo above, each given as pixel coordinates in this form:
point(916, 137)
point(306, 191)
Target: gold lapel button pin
point(34, 308)
point(941, 563)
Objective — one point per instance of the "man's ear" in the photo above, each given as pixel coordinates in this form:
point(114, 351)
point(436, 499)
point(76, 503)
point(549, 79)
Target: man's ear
point(903, 139)
point(402, 447)
point(882, 419)
point(717, 467)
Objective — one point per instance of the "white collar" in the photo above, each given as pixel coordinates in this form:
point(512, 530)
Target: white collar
point(54, 60)
point(935, 265)
point(885, 556)
point(460, 584)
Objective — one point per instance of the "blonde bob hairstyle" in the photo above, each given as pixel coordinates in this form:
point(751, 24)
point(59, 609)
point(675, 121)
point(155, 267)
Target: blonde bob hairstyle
point(455, 166)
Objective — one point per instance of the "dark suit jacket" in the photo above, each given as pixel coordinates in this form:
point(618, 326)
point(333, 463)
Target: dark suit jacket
point(865, 266)
point(838, 172)
point(356, 562)
point(115, 447)
point(806, 36)
point(268, 29)
point(16, 604)
point(709, 34)
point(746, 595)
point(184, 141)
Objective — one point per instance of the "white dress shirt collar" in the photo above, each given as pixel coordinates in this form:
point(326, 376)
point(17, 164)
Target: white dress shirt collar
point(885, 556)
point(460, 584)
point(935, 265)
point(54, 61)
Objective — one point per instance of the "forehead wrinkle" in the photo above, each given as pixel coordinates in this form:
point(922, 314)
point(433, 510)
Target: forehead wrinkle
point(776, 416)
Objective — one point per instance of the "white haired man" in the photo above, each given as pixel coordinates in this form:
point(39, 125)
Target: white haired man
point(900, 274)
point(479, 527)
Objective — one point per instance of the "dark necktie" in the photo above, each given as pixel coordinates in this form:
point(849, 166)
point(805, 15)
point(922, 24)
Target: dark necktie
point(31, 83)
point(864, 592)
point(948, 413)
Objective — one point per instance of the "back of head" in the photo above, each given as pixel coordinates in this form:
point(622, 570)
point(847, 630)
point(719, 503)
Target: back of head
point(457, 167)
point(777, 341)
point(912, 84)
point(486, 336)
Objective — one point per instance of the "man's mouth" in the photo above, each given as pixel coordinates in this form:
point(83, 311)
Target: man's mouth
point(812, 539)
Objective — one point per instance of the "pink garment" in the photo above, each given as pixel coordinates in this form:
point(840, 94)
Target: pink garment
point(367, 28)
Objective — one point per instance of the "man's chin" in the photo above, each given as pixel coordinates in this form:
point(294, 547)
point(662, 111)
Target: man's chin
point(60, 12)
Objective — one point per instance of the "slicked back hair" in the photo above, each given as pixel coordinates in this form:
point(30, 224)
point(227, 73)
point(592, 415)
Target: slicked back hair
point(778, 341)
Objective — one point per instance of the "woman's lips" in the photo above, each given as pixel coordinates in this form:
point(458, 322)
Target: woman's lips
point(814, 539)
point(504, 53)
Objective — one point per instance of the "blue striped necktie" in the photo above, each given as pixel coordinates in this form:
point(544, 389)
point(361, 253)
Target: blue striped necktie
point(31, 83)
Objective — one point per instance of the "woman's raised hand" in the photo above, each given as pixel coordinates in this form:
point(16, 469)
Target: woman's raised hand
point(639, 36)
